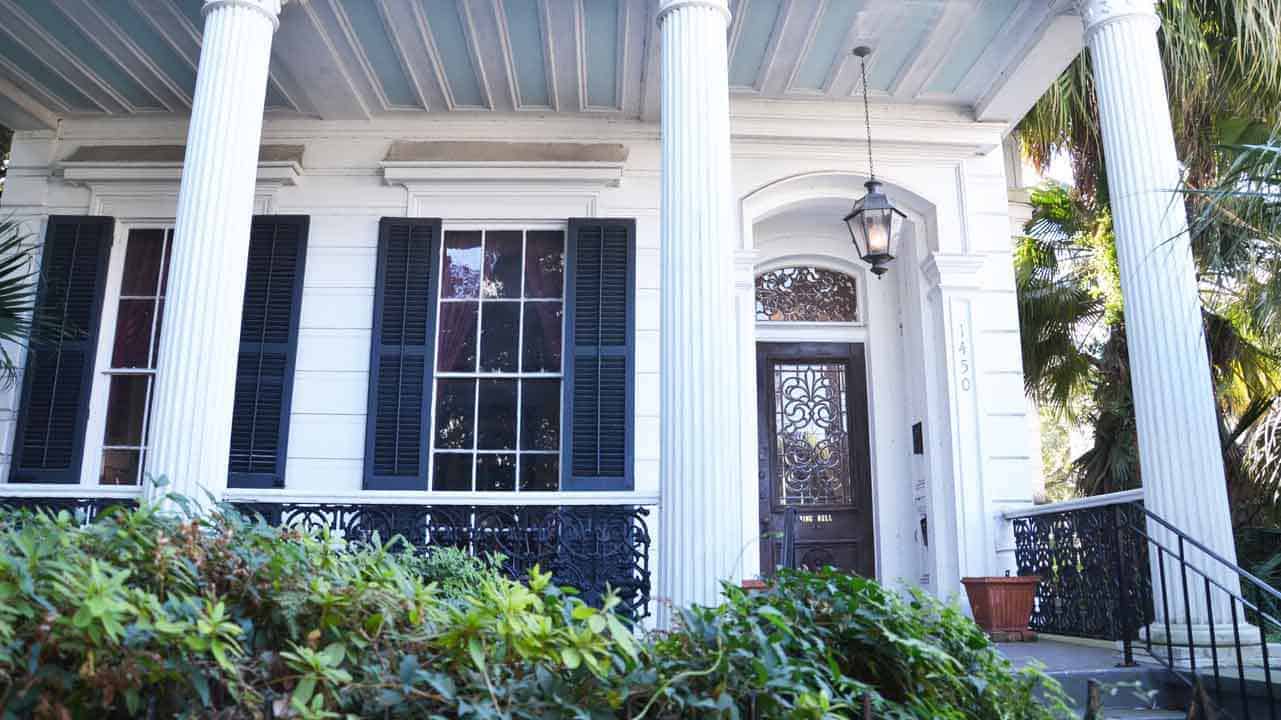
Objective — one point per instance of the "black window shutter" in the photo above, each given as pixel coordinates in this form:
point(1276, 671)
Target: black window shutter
point(268, 348)
point(400, 357)
point(600, 298)
point(50, 435)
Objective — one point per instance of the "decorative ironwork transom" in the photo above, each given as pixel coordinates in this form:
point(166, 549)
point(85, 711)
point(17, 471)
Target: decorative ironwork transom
point(806, 294)
point(811, 425)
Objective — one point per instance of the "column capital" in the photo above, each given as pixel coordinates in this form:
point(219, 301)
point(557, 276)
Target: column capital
point(953, 272)
point(1097, 13)
point(270, 8)
point(666, 6)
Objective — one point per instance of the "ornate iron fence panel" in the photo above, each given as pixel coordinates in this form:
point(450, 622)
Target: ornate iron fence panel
point(87, 509)
point(590, 548)
point(1093, 571)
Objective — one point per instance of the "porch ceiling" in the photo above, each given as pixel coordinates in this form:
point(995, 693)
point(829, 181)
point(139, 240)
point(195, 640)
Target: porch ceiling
point(356, 59)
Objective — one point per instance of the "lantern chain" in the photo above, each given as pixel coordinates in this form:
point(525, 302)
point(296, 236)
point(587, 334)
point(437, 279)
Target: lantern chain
point(867, 116)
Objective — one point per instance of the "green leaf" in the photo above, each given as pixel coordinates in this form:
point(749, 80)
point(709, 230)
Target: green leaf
point(476, 649)
point(304, 690)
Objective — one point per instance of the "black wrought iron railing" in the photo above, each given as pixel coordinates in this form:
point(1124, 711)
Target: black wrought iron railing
point(1120, 572)
point(589, 547)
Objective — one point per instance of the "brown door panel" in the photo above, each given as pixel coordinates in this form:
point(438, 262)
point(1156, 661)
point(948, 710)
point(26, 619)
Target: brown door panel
point(815, 453)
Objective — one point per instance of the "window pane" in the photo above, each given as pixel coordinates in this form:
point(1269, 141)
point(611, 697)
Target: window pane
point(542, 337)
point(495, 473)
point(142, 262)
point(452, 471)
point(126, 409)
point(502, 264)
point(461, 275)
point(539, 473)
point(133, 334)
point(497, 415)
point(545, 264)
point(155, 339)
point(164, 275)
point(500, 324)
point(120, 467)
point(456, 351)
point(540, 415)
point(455, 410)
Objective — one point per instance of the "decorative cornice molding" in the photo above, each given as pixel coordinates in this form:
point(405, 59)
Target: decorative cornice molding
point(668, 6)
point(596, 175)
point(269, 8)
point(1097, 13)
point(119, 188)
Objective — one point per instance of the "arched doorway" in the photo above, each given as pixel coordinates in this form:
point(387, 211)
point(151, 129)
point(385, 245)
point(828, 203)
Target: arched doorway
point(812, 419)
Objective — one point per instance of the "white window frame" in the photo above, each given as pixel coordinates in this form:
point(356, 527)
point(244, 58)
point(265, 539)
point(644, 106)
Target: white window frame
point(483, 227)
point(100, 390)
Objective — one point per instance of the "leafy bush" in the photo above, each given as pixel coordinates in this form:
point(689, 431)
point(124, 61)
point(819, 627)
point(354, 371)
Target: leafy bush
point(147, 614)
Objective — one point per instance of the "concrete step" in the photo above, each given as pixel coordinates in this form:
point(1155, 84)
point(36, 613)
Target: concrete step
point(1126, 688)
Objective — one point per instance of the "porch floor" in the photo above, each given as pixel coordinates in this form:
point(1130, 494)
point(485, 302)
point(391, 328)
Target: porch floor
point(1058, 656)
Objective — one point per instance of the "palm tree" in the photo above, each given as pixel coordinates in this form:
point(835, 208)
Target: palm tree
point(1223, 59)
point(1223, 68)
point(20, 325)
point(1225, 85)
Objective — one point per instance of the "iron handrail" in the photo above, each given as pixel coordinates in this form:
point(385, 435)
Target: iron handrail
point(1240, 571)
point(1235, 646)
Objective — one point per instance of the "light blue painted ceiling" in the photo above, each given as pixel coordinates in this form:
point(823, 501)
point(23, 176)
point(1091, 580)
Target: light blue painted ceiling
point(828, 46)
point(525, 30)
point(142, 33)
point(913, 23)
point(601, 30)
point(48, 79)
point(367, 22)
point(455, 54)
point(69, 35)
point(980, 32)
point(759, 19)
point(346, 59)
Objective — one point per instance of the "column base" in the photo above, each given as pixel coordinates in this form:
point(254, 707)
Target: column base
point(1175, 643)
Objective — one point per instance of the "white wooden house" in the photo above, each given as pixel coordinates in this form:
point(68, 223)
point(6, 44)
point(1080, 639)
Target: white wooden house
point(570, 278)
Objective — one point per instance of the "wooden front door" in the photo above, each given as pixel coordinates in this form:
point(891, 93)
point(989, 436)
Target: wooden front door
point(815, 454)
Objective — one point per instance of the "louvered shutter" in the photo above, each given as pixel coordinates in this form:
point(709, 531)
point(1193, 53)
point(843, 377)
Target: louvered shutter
point(600, 317)
point(50, 435)
point(268, 347)
point(400, 362)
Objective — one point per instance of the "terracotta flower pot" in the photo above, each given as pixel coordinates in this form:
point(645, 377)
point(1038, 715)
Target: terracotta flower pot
point(1003, 605)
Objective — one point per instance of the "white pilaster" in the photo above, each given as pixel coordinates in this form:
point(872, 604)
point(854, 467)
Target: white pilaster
point(1174, 403)
point(701, 387)
point(190, 428)
point(963, 546)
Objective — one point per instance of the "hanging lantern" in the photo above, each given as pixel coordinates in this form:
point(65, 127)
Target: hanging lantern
point(874, 222)
point(874, 225)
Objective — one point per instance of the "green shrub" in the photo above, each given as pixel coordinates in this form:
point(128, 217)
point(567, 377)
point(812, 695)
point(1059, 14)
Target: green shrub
point(813, 644)
point(146, 614)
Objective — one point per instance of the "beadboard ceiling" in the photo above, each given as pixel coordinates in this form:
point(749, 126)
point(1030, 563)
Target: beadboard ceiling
point(356, 59)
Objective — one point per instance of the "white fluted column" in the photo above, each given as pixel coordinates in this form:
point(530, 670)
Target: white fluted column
point(1179, 451)
point(190, 428)
point(700, 524)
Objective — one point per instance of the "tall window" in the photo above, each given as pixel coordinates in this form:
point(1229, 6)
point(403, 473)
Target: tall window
point(499, 330)
point(130, 367)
